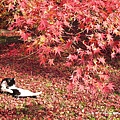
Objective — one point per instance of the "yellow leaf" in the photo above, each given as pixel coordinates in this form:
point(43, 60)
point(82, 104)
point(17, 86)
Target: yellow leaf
point(62, 40)
point(42, 40)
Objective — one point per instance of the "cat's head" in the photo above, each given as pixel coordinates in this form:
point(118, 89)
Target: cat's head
point(8, 82)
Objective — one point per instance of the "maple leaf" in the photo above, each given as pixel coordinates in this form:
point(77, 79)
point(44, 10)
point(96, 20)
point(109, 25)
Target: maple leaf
point(10, 7)
point(113, 55)
point(110, 86)
point(102, 44)
point(23, 4)
point(117, 50)
point(111, 42)
point(100, 36)
point(41, 40)
point(102, 60)
point(98, 26)
point(42, 60)
point(46, 49)
point(10, 27)
point(42, 25)
point(70, 87)
point(51, 62)
point(24, 35)
point(68, 44)
point(99, 85)
point(78, 72)
point(19, 21)
point(72, 57)
point(58, 50)
point(109, 37)
point(105, 89)
point(96, 50)
point(81, 87)
point(104, 76)
point(115, 31)
point(29, 49)
point(68, 64)
point(13, 52)
point(30, 21)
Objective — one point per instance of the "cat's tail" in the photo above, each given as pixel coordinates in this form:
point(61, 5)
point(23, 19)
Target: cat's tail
point(37, 93)
point(27, 93)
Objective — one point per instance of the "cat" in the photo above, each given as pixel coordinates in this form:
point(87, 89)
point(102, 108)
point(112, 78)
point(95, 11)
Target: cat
point(8, 86)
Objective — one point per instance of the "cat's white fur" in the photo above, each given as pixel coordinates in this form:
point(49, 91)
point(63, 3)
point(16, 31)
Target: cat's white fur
point(4, 87)
point(23, 92)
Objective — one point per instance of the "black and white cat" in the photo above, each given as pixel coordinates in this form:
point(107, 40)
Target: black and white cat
point(8, 86)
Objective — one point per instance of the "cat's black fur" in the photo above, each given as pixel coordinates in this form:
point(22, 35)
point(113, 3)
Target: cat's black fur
point(15, 92)
point(8, 86)
point(10, 81)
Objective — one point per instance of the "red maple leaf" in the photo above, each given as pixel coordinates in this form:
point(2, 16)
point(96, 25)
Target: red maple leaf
point(110, 86)
point(51, 62)
point(100, 36)
point(70, 87)
point(42, 59)
point(72, 57)
point(96, 50)
point(111, 42)
point(13, 52)
point(29, 49)
point(24, 35)
point(23, 4)
point(118, 50)
point(58, 50)
point(109, 37)
point(102, 60)
point(81, 87)
point(42, 25)
point(68, 64)
point(10, 7)
point(113, 55)
point(30, 21)
point(104, 76)
point(78, 72)
point(68, 44)
point(105, 89)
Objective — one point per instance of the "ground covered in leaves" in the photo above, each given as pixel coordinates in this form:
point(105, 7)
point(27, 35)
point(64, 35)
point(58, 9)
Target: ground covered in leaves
point(56, 102)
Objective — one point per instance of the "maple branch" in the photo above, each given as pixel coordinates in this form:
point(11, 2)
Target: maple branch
point(27, 55)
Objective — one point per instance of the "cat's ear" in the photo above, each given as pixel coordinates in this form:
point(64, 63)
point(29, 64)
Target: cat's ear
point(13, 78)
point(4, 80)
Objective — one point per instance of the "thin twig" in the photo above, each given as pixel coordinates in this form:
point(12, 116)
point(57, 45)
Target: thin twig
point(27, 55)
